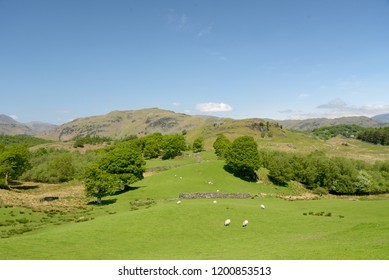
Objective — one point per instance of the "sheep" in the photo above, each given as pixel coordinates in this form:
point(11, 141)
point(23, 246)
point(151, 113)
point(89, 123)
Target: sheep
point(179, 202)
point(227, 222)
point(214, 201)
point(262, 206)
point(245, 223)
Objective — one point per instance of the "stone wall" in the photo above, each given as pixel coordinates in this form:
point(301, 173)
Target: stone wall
point(213, 195)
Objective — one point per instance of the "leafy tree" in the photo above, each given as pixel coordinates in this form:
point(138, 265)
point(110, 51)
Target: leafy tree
point(62, 168)
point(119, 168)
point(152, 145)
point(99, 183)
point(221, 146)
point(173, 145)
point(13, 162)
point(243, 158)
point(280, 169)
point(198, 144)
point(52, 166)
point(125, 163)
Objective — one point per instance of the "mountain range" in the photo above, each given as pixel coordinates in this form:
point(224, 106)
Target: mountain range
point(118, 124)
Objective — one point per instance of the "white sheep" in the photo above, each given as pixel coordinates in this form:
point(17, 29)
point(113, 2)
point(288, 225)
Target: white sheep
point(179, 202)
point(227, 222)
point(262, 206)
point(214, 201)
point(245, 223)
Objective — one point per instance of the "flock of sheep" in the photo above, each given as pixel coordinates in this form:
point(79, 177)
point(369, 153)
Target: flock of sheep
point(245, 222)
point(228, 221)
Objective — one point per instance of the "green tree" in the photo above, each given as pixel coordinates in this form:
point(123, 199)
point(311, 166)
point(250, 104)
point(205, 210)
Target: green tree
point(118, 169)
point(281, 169)
point(152, 145)
point(243, 158)
point(99, 183)
point(173, 145)
point(221, 146)
point(61, 168)
point(198, 144)
point(13, 162)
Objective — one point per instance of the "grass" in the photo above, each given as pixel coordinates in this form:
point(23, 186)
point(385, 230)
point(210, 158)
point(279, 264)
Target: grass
point(159, 228)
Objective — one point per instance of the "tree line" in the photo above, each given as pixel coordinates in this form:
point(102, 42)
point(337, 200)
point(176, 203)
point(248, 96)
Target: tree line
point(103, 171)
point(316, 171)
point(370, 135)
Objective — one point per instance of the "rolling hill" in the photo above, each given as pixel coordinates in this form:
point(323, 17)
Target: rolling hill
point(118, 124)
point(382, 118)
point(9, 126)
point(310, 124)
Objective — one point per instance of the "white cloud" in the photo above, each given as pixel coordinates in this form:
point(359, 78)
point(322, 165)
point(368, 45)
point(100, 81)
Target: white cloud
point(14, 117)
point(176, 104)
point(333, 104)
point(303, 96)
point(338, 108)
point(213, 107)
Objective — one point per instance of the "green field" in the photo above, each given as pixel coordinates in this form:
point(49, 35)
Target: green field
point(146, 223)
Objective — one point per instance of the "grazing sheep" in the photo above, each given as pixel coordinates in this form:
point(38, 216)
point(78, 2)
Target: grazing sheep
point(245, 223)
point(262, 206)
point(215, 201)
point(227, 222)
point(179, 202)
point(217, 191)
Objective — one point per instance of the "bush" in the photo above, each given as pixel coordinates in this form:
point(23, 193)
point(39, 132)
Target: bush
point(320, 191)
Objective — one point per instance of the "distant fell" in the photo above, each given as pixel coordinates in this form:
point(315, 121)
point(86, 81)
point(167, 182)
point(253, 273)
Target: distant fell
point(4, 119)
point(40, 126)
point(382, 118)
point(9, 126)
point(118, 124)
point(310, 124)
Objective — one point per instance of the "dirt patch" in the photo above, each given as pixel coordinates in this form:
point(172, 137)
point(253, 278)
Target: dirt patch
point(304, 196)
point(31, 195)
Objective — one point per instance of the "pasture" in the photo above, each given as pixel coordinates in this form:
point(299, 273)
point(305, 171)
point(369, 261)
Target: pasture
point(146, 223)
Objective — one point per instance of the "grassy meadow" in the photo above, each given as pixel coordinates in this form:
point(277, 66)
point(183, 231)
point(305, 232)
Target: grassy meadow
point(146, 223)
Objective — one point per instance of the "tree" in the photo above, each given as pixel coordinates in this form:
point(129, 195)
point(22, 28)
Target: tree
point(173, 145)
point(13, 162)
point(152, 145)
point(118, 169)
point(198, 144)
point(221, 146)
point(99, 183)
point(243, 158)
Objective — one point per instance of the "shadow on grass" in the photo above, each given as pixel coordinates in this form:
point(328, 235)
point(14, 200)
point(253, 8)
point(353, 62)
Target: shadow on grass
point(126, 189)
point(103, 202)
point(246, 176)
point(24, 188)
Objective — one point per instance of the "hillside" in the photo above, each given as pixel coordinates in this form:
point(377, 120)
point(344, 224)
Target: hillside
point(40, 126)
point(9, 126)
point(382, 118)
point(118, 124)
point(310, 124)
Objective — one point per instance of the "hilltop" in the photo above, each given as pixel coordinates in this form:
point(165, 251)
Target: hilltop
point(118, 124)
point(9, 126)
point(310, 124)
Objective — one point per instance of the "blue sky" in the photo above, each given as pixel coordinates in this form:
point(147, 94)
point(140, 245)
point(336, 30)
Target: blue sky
point(280, 59)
